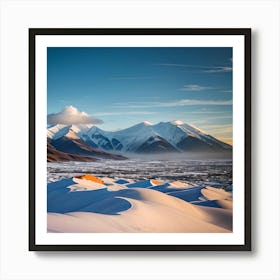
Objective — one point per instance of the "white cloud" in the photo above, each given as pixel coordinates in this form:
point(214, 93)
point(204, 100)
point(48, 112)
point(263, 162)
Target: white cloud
point(194, 88)
point(71, 115)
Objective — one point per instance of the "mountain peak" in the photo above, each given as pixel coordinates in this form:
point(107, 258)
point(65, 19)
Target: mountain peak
point(177, 122)
point(70, 131)
point(147, 123)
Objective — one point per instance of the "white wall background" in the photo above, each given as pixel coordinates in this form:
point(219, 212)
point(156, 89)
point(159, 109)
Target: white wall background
point(17, 262)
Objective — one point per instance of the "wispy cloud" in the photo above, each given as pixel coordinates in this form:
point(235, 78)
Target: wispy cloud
point(207, 121)
point(183, 102)
point(221, 69)
point(207, 112)
point(194, 88)
point(220, 128)
point(118, 78)
point(189, 102)
point(201, 68)
point(123, 113)
point(175, 65)
point(227, 91)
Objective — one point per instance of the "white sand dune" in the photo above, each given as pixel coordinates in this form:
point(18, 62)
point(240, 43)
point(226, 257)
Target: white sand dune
point(87, 185)
point(78, 205)
point(212, 193)
point(178, 184)
point(171, 187)
point(145, 184)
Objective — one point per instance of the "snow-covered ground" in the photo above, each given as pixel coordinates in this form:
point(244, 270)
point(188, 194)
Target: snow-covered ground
point(83, 201)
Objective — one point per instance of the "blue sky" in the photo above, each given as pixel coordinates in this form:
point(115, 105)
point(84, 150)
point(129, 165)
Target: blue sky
point(125, 86)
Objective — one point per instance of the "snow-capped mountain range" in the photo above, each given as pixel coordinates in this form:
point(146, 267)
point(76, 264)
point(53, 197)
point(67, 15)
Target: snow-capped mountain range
point(171, 137)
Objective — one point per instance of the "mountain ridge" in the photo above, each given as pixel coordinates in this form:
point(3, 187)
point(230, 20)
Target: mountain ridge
point(142, 138)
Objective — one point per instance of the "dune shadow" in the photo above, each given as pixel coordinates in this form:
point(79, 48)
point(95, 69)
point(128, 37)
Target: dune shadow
point(188, 195)
point(208, 203)
point(61, 200)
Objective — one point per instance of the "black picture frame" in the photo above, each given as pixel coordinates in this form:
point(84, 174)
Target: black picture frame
point(246, 32)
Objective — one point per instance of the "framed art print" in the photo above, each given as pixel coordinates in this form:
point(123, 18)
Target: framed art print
point(140, 139)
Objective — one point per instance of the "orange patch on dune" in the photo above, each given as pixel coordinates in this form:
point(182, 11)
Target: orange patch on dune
point(92, 178)
point(155, 182)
